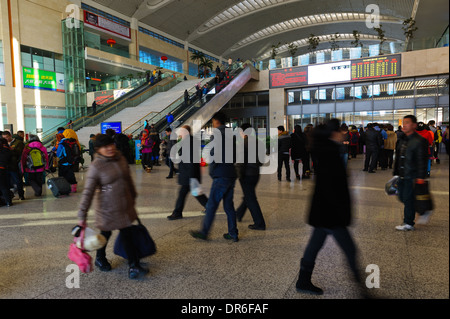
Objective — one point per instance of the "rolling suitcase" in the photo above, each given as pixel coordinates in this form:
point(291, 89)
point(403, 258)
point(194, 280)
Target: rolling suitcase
point(59, 186)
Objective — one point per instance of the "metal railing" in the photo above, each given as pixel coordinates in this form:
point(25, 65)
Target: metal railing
point(179, 108)
point(139, 124)
point(116, 107)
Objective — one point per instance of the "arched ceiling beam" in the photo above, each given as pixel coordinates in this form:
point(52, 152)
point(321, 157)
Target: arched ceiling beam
point(305, 22)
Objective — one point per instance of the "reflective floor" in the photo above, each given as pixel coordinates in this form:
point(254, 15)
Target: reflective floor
point(35, 238)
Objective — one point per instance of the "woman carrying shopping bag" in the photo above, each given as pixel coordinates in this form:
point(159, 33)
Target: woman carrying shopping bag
point(110, 175)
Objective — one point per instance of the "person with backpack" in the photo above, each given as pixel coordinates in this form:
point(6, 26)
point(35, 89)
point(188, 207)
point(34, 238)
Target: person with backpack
point(34, 162)
point(68, 153)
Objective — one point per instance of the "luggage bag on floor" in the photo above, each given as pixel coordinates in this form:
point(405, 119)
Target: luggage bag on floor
point(59, 186)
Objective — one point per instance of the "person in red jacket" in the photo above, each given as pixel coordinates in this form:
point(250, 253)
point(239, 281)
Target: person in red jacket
point(424, 131)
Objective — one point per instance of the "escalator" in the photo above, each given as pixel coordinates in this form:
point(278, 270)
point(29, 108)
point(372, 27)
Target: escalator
point(202, 109)
point(130, 99)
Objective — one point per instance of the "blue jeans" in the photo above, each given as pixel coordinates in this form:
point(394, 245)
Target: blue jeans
point(344, 157)
point(406, 196)
point(222, 189)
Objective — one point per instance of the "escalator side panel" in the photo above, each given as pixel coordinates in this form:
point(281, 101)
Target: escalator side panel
point(205, 113)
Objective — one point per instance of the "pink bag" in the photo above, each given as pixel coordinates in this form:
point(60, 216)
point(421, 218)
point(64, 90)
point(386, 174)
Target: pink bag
point(79, 256)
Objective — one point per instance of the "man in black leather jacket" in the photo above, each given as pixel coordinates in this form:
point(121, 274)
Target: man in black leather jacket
point(411, 166)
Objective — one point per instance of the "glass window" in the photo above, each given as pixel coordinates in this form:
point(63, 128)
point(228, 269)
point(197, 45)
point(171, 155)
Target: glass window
point(362, 118)
point(403, 89)
point(426, 87)
point(250, 100)
point(399, 115)
point(294, 97)
point(26, 60)
point(49, 64)
point(343, 93)
point(236, 101)
point(443, 85)
point(364, 91)
point(263, 99)
point(310, 96)
point(327, 95)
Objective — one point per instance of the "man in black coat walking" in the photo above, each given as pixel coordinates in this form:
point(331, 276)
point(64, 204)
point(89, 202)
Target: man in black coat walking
point(330, 212)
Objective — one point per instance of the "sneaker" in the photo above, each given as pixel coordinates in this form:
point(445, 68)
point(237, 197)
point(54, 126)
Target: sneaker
point(103, 264)
point(136, 272)
point(197, 234)
point(288, 179)
point(425, 218)
point(372, 172)
point(229, 237)
point(404, 227)
point(169, 177)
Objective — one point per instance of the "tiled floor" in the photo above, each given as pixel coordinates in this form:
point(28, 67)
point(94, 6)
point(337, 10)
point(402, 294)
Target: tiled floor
point(35, 237)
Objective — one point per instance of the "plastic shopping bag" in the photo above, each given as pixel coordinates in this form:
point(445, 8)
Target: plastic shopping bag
point(196, 188)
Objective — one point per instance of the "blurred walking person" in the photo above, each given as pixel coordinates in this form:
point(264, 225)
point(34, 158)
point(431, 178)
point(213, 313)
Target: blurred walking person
point(330, 211)
point(114, 203)
point(411, 166)
point(224, 179)
point(187, 170)
point(248, 174)
point(169, 144)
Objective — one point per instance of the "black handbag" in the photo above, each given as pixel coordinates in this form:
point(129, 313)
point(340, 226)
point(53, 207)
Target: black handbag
point(423, 201)
point(142, 241)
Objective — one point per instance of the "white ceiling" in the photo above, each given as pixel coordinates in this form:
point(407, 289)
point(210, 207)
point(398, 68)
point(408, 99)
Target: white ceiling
point(218, 26)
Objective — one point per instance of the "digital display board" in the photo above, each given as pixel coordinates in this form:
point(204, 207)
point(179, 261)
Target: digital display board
point(370, 68)
point(329, 72)
point(288, 77)
point(116, 126)
point(376, 67)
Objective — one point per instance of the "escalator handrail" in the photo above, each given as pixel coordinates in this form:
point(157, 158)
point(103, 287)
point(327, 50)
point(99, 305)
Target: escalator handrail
point(97, 115)
point(164, 111)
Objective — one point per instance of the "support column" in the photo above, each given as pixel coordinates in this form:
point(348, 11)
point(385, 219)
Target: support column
point(277, 108)
point(12, 63)
point(134, 45)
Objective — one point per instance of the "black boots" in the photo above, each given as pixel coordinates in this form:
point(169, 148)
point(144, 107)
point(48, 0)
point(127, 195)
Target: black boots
point(136, 271)
point(304, 283)
point(102, 264)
